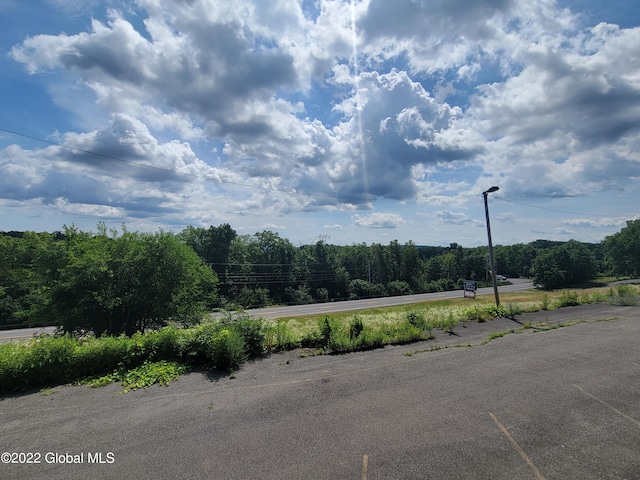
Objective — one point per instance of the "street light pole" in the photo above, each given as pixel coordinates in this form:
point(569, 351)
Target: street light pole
point(491, 259)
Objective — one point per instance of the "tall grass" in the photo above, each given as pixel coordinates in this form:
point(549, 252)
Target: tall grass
point(227, 343)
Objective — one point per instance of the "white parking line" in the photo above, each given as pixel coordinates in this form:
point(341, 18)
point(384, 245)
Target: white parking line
point(365, 466)
point(610, 407)
point(518, 448)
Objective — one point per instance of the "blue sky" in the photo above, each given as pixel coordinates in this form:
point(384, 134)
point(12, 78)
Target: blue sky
point(354, 121)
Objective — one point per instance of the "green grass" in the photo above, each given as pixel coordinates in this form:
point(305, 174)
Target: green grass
point(158, 357)
point(147, 374)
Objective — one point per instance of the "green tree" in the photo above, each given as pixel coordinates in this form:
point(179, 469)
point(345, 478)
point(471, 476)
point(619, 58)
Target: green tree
point(213, 245)
point(622, 250)
point(26, 260)
point(122, 284)
point(570, 263)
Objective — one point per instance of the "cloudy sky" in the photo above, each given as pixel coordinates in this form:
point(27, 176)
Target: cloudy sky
point(352, 121)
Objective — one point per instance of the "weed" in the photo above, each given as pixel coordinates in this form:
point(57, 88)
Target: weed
point(450, 323)
point(495, 311)
point(284, 336)
point(252, 331)
point(326, 327)
point(568, 299)
point(416, 319)
point(494, 335)
point(355, 328)
point(545, 302)
point(623, 295)
point(513, 309)
point(227, 349)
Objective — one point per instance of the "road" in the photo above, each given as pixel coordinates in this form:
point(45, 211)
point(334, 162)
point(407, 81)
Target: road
point(517, 284)
point(558, 404)
point(317, 308)
point(23, 333)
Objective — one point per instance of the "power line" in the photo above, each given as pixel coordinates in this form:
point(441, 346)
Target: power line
point(555, 209)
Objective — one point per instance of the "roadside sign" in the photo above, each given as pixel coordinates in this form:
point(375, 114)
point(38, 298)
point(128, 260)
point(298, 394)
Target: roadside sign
point(469, 287)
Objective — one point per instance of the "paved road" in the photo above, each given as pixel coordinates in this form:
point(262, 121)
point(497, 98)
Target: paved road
point(561, 404)
point(23, 333)
point(321, 308)
point(315, 309)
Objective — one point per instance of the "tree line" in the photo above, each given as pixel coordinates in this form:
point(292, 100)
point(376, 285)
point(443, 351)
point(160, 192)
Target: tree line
point(122, 282)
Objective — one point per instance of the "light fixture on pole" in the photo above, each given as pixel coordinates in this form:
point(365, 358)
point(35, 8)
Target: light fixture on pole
point(491, 259)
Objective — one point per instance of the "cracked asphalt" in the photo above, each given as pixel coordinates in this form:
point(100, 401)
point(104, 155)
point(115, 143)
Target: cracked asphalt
point(556, 404)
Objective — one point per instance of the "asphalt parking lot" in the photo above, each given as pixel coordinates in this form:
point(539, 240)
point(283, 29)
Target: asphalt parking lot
point(557, 404)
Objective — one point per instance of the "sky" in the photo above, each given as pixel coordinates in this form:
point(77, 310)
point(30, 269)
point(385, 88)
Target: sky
point(344, 121)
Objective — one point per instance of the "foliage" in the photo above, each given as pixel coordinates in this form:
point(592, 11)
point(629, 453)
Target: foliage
point(83, 272)
point(284, 336)
point(622, 250)
point(356, 328)
point(62, 359)
point(123, 284)
point(227, 349)
point(623, 295)
point(449, 324)
point(326, 327)
point(227, 343)
point(252, 331)
point(149, 373)
point(399, 287)
point(570, 263)
point(26, 262)
point(417, 319)
point(568, 299)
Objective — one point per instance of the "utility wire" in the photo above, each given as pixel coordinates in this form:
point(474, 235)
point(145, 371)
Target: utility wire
point(497, 197)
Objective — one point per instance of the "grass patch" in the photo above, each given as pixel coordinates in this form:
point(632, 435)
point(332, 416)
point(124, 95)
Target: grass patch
point(137, 361)
point(147, 374)
point(160, 356)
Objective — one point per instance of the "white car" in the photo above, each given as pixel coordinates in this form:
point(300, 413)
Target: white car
point(500, 277)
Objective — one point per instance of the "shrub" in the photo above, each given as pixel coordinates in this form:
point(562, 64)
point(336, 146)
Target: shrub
point(545, 302)
point(568, 299)
point(398, 287)
point(623, 295)
point(252, 331)
point(227, 349)
point(403, 332)
point(284, 336)
point(355, 328)
point(326, 326)
point(416, 319)
point(513, 309)
point(495, 311)
point(450, 323)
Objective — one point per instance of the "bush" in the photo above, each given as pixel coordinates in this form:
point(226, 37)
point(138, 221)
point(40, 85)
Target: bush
point(623, 295)
point(495, 311)
point(326, 325)
point(227, 349)
point(284, 337)
point(416, 319)
point(355, 328)
point(398, 287)
point(252, 331)
point(568, 299)
point(450, 323)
